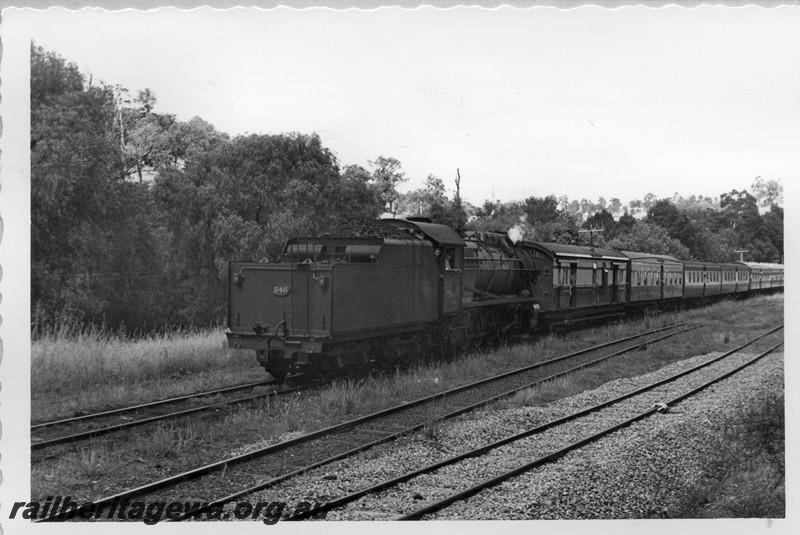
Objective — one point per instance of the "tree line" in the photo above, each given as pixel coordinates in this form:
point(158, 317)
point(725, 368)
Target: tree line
point(736, 225)
point(135, 214)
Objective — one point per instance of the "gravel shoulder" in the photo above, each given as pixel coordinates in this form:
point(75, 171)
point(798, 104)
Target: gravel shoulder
point(643, 471)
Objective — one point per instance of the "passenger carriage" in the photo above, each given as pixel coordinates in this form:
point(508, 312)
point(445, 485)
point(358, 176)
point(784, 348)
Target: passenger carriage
point(765, 277)
point(742, 278)
point(728, 279)
point(583, 278)
point(654, 277)
point(703, 280)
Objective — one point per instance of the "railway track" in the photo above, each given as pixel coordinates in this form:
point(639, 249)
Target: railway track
point(68, 430)
point(244, 474)
point(481, 468)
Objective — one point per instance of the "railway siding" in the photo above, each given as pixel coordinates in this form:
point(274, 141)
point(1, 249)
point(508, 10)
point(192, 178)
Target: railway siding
point(644, 471)
point(649, 470)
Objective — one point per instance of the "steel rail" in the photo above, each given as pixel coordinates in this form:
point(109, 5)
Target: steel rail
point(483, 449)
point(441, 504)
point(388, 438)
point(177, 414)
point(152, 404)
point(176, 479)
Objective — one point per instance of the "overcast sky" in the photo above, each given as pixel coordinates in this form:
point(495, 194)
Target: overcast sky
point(585, 102)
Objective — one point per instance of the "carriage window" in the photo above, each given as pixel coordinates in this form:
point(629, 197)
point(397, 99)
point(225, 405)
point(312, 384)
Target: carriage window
point(584, 276)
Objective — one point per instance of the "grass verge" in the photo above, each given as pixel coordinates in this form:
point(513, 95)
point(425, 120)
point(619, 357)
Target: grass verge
point(745, 476)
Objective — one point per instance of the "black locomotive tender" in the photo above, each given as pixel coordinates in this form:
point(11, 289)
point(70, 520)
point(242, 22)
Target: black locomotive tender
point(335, 305)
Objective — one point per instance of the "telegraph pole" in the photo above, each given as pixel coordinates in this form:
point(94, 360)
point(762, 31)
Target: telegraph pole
point(592, 232)
point(741, 253)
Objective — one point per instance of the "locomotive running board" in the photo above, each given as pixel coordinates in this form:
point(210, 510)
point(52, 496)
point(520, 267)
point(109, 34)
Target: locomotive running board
point(497, 300)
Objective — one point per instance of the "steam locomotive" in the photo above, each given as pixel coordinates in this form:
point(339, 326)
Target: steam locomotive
point(382, 295)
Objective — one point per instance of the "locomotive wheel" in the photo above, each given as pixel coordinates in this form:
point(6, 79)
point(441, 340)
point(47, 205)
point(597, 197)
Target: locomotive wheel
point(277, 373)
point(477, 331)
point(494, 334)
point(444, 342)
point(278, 376)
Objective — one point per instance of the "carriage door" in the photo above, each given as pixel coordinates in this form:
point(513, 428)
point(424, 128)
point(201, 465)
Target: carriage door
point(614, 282)
point(573, 282)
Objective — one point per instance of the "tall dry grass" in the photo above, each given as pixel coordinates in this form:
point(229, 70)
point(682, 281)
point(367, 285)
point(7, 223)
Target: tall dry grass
point(91, 369)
